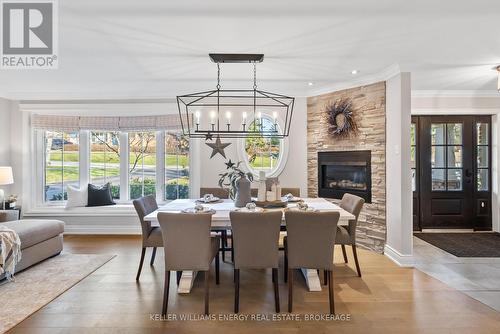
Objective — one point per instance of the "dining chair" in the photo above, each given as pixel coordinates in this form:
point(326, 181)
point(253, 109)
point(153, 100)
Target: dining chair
point(223, 194)
point(217, 192)
point(284, 191)
point(151, 236)
point(188, 246)
point(255, 236)
point(346, 235)
point(310, 244)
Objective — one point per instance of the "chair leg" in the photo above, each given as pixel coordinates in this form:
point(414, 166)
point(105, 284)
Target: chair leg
point(325, 277)
point(232, 248)
point(344, 253)
point(224, 244)
point(165, 292)
point(236, 290)
point(276, 290)
point(354, 252)
point(140, 263)
point(330, 291)
point(179, 275)
point(153, 255)
point(207, 284)
point(290, 290)
point(285, 260)
point(217, 267)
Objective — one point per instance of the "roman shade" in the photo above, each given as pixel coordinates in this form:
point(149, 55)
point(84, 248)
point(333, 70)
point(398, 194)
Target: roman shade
point(125, 123)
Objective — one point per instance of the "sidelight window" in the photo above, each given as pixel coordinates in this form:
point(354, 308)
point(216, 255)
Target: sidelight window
point(482, 152)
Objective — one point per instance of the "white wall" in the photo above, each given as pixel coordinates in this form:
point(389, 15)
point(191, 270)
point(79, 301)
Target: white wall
point(295, 172)
point(399, 239)
point(424, 103)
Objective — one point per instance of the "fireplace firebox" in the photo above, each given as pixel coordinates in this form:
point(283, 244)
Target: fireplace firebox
point(345, 172)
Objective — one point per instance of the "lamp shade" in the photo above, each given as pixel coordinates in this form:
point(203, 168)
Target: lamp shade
point(6, 175)
point(498, 85)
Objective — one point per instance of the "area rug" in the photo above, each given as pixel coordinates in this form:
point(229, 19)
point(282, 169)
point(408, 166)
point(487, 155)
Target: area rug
point(465, 244)
point(39, 285)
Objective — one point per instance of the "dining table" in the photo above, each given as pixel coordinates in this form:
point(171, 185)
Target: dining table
point(221, 221)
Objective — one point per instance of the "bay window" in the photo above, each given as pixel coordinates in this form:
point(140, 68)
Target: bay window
point(61, 164)
point(176, 166)
point(105, 160)
point(142, 164)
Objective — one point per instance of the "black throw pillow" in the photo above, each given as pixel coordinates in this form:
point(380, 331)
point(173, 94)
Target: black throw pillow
point(100, 196)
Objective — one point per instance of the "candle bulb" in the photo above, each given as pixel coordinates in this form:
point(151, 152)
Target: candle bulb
point(275, 117)
point(228, 117)
point(197, 117)
point(244, 123)
point(212, 117)
point(259, 117)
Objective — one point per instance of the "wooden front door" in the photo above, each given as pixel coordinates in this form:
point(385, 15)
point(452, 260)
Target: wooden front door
point(453, 172)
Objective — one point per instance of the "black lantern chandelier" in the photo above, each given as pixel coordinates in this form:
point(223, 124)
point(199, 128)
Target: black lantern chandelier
point(235, 113)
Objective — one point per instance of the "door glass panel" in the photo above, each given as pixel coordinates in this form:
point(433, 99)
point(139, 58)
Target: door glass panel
point(413, 180)
point(454, 179)
point(438, 180)
point(482, 180)
point(482, 133)
point(454, 132)
point(482, 156)
point(454, 156)
point(437, 134)
point(412, 157)
point(437, 156)
point(413, 131)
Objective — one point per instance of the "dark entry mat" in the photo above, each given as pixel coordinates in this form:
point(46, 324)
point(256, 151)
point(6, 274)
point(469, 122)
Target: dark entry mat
point(465, 244)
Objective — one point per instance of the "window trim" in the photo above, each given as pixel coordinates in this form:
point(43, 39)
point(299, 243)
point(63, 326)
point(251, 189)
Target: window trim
point(283, 158)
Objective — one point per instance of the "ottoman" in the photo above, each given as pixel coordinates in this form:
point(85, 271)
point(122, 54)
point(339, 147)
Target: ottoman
point(40, 239)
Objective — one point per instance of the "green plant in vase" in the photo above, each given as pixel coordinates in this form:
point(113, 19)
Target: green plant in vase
point(230, 178)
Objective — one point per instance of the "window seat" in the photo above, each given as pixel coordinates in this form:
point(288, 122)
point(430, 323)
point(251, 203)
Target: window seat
point(61, 210)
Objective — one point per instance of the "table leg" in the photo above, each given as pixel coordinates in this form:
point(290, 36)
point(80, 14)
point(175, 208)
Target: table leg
point(313, 281)
point(186, 282)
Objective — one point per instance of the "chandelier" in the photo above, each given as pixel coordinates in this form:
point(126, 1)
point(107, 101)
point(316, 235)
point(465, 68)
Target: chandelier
point(235, 113)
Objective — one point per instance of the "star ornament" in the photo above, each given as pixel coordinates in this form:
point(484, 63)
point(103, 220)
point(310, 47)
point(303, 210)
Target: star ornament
point(218, 148)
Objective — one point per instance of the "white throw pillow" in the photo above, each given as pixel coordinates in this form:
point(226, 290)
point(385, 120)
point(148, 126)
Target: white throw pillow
point(77, 197)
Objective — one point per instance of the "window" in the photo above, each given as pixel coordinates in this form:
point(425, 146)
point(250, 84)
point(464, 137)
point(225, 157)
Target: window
point(61, 164)
point(482, 152)
point(413, 156)
point(446, 157)
point(176, 166)
point(263, 153)
point(142, 164)
point(105, 160)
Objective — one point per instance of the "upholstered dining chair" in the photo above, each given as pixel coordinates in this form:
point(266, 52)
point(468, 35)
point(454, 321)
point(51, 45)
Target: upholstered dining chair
point(224, 194)
point(188, 246)
point(310, 244)
point(217, 192)
point(284, 191)
point(346, 235)
point(255, 236)
point(151, 236)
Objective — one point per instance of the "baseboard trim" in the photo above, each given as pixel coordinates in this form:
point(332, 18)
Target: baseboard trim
point(398, 258)
point(79, 229)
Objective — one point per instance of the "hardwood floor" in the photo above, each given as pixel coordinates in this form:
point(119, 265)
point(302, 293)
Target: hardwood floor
point(387, 299)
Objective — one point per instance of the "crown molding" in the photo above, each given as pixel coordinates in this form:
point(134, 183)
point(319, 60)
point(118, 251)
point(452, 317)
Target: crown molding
point(455, 93)
point(383, 75)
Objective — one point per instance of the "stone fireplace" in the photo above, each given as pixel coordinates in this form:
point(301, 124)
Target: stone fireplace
point(357, 170)
point(345, 172)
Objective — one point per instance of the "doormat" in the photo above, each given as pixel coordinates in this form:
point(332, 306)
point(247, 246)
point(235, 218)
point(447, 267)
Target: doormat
point(465, 244)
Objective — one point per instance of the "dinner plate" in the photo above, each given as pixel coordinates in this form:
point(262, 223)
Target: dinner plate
point(214, 200)
point(192, 210)
point(257, 209)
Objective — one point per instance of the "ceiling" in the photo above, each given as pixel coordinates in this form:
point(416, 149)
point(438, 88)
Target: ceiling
point(158, 49)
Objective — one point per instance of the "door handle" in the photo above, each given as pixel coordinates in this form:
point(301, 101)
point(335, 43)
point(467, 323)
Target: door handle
point(468, 173)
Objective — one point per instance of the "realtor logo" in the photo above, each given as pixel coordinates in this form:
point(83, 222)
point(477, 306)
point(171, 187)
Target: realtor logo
point(29, 34)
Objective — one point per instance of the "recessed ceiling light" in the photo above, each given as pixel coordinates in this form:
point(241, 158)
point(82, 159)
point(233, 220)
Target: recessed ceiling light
point(310, 83)
point(354, 72)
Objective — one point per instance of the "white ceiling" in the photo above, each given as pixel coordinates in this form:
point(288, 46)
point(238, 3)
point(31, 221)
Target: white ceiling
point(158, 48)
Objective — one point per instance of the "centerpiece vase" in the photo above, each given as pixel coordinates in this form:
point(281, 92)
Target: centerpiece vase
point(243, 192)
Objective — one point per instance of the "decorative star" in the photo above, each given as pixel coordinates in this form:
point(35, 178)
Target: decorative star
point(218, 148)
point(229, 164)
point(209, 136)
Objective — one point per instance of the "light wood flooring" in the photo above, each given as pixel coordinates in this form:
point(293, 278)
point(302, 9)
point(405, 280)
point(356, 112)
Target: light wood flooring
point(387, 299)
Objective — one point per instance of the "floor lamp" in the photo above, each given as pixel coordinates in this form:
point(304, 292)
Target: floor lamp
point(5, 179)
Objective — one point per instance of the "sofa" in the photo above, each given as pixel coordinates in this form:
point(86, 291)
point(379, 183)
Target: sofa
point(40, 239)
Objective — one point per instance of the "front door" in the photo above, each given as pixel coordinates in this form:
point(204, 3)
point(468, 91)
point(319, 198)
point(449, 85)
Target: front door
point(454, 174)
